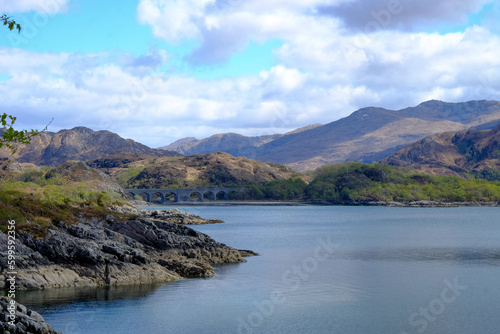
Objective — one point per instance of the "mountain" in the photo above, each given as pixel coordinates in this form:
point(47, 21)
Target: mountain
point(79, 143)
point(367, 135)
point(471, 151)
point(214, 169)
point(232, 143)
point(371, 134)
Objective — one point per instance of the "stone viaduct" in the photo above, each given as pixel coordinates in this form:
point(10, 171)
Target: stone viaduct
point(182, 195)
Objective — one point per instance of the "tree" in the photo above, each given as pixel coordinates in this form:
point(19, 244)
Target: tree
point(10, 135)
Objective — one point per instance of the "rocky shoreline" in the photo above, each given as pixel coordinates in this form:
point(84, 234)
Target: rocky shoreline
point(18, 319)
point(171, 215)
point(155, 247)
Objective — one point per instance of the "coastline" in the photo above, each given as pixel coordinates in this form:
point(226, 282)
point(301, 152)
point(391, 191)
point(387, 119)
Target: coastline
point(413, 204)
point(154, 247)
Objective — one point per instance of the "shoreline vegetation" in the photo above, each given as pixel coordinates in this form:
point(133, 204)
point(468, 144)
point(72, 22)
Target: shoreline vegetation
point(376, 184)
point(366, 184)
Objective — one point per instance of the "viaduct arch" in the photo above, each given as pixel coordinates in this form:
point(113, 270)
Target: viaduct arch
point(182, 195)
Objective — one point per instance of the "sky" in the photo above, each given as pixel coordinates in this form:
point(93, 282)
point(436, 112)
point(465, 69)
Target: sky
point(156, 71)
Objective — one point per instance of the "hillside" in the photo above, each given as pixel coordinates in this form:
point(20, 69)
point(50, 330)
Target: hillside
point(371, 134)
point(215, 169)
point(475, 152)
point(356, 183)
point(80, 143)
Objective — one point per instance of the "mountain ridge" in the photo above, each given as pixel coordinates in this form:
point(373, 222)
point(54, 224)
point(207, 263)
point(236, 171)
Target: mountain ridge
point(78, 143)
point(371, 134)
point(366, 135)
point(232, 143)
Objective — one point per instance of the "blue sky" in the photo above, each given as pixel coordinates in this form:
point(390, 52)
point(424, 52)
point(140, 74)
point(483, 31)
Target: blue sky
point(159, 70)
point(93, 26)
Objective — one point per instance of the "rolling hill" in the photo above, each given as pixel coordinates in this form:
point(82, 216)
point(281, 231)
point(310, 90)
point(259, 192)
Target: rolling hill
point(214, 169)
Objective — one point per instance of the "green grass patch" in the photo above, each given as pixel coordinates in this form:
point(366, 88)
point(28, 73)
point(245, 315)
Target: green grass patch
point(36, 205)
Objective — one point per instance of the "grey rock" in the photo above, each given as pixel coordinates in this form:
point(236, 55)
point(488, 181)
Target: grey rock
point(113, 252)
point(22, 320)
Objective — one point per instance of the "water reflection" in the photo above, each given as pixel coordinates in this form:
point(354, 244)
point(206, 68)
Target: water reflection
point(51, 297)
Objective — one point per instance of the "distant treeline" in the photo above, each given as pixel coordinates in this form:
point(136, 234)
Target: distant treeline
point(376, 182)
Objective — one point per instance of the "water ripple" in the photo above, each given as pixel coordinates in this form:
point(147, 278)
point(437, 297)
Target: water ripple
point(489, 256)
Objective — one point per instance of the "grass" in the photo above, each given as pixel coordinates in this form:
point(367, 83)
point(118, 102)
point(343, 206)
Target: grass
point(35, 202)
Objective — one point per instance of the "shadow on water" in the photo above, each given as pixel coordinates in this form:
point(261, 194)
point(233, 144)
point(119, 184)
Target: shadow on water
point(62, 296)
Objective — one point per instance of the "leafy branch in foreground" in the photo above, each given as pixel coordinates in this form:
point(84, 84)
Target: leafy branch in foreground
point(10, 135)
point(11, 24)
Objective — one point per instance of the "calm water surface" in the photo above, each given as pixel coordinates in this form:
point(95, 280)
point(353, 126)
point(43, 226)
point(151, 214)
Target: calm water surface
point(320, 270)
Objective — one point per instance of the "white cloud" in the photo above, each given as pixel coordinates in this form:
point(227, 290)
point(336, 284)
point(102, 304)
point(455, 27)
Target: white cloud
point(391, 69)
point(226, 27)
point(323, 72)
point(41, 6)
point(173, 20)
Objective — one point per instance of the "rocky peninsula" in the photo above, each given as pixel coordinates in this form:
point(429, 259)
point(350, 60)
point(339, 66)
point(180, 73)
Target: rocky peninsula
point(153, 247)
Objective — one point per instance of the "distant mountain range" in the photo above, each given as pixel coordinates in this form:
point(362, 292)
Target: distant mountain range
point(367, 135)
point(232, 143)
point(80, 143)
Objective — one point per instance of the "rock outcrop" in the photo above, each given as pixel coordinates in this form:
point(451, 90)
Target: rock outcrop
point(178, 217)
point(170, 215)
point(18, 319)
point(113, 252)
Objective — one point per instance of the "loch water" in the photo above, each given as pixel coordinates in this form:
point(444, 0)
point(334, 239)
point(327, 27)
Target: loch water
point(321, 269)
